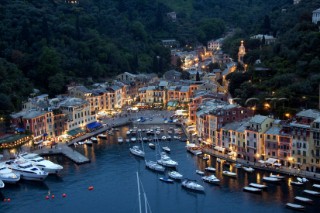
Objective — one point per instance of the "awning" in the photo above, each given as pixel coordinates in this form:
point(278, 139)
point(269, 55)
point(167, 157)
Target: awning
point(75, 131)
point(94, 125)
point(20, 129)
point(271, 160)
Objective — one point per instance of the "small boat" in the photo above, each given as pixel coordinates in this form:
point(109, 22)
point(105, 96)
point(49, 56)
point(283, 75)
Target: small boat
point(211, 179)
point(94, 139)
point(135, 150)
point(1, 184)
point(218, 160)
point(167, 161)
point(303, 199)
point(230, 174)
point(259, 186)
point(145, 139)
point(296, 183)
point(295, 206)
point(164, 138)
point(276, 176)
point(165, 179)
point(271, 179)
point(238, 166)
point(7, 175)
point(317, 186)
point(152, 146)
point(88, 143)
point(81, 142)
point(192, 185)
point(120, 139)
point(175, 175)
point(103, 136)
point(154, 166)
point(210, 169)
point(128, 132)
point(302, 180)
point(169, 138)
point(133, 139)
point(252, 189)
point(310, 192)
point(166, 149)
point(247, 169)
point(127, 140)
point(116, 129)
point(199, 172)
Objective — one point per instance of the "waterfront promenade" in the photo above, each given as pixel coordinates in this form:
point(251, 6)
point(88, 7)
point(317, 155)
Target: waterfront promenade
point(256, 165)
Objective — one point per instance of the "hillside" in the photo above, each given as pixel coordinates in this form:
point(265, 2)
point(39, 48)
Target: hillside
point(50, 43)
point(292, 62)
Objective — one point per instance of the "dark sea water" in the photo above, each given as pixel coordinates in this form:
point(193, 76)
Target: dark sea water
point(112, 173)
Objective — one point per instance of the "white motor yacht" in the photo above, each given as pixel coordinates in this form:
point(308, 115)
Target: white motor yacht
point(133, 139)
point(211, 179)
point(175, 175)
point(103, 136)
point(164, 138)
point(42, 163)
point(277, 176)
point(135, 150)
point(7, 175)
point(26, 170)
point(259, 186)
point(230, 174)
point(94, 139)
point(189, 184)
point(167, 161)
point(210, 169)
point(154, 166)
point(199, 172)
point(247, 169)
point(271, 179)
point(120, 139)
point(252, 189)
point(166, 149)
point(128, 132)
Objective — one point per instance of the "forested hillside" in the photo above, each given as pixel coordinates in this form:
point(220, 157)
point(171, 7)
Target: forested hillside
point(292, 62)
point(50, 43)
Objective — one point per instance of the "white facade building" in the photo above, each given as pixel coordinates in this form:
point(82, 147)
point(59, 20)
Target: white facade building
point(316, 16)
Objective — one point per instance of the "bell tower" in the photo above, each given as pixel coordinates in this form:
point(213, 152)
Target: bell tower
point(241, 53)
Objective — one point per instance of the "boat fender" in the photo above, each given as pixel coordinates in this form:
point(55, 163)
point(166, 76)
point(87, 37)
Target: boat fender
point(64, 195)
point(52, 196)
point(90, 188)
point(47, 197)
point(8, 200)
point(4, 200)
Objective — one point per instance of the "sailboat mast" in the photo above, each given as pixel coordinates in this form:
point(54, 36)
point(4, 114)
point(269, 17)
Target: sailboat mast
point(139, 196)
point(145, 202)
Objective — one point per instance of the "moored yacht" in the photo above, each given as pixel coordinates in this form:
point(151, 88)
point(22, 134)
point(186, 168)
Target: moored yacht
point(154, 166)
point(94, 139)
point(189, 184)
point(120, 139)
point(166, 149)
point(102, 136)
point(259, 186)
point(210, 169)
point(167, 161)
point(26, 170)
point(135, 150)
point(230, 174)
point(175, 175)
point(42, 163)
point(211, 179)
point(7, 175)
point(248, 169)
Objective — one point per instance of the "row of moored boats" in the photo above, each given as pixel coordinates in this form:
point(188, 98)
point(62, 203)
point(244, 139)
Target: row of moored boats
point(27, 166)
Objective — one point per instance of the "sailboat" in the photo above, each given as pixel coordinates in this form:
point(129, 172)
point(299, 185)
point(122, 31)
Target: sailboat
point(135, 150)
point(147, 207)
point(152, 164)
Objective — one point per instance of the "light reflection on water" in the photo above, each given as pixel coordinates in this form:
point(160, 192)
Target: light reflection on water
point(112, 173)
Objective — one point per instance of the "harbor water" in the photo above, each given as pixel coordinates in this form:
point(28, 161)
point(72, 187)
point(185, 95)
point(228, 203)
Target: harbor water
point(112, 173)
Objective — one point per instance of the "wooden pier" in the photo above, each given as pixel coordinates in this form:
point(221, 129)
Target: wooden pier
point(63, 149)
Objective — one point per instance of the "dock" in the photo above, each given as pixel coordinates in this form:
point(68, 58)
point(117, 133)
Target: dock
point(65, 150)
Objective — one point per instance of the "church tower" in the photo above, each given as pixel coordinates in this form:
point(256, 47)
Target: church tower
point(241, 53)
